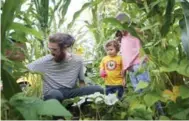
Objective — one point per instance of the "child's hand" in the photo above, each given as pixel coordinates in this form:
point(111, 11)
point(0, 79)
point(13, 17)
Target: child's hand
point(124, 83)
point(103, 73)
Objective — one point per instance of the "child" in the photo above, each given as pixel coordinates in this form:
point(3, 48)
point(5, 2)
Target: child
point(111, 69)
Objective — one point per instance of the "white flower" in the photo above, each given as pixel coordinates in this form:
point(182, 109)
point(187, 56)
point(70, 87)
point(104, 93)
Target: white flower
point(82, 100)
point(111, 99)
point(95, 95)
point(99, 99)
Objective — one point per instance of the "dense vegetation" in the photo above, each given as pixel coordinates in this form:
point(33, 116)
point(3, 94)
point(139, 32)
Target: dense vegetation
point(161, 25)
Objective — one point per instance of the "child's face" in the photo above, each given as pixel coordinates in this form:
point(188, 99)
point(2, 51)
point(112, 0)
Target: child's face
point(111, 51)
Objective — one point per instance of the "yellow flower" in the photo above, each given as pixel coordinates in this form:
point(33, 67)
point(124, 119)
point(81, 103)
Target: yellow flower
point(171, 95)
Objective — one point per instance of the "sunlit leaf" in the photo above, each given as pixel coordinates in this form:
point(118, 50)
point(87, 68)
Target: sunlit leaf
point(164, 118)
point(184, 91)
point(151, 98)
point(18, 26)
point(27, 106)
point(55, 108)
point(171, 95)
point(76, 15)
point(141, 85)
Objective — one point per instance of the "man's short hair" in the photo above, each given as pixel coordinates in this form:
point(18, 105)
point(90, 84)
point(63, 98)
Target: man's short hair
point(63, 40)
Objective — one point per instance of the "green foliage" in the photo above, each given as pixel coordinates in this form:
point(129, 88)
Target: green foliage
point(168, 17)
point(178, 110)
point(9, 84)
point(18, 26)
point(76, 15)
point(141, 85)
point(151, 97)
point(8, 15)
point(184, 24)
point(53, 107)
point(32, 108)
point(184, 92)
point(160, 39)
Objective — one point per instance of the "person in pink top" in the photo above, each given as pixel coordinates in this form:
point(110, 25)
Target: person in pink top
point(132, 59)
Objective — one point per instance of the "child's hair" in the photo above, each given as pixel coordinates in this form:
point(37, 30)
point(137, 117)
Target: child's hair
point(113, 43)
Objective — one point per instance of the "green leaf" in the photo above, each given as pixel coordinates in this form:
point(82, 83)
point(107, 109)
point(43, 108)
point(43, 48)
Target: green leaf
point(184, 24)
point(184, 91)
point(141, 85)
point(53, 107)
point(168, 17)
point(168, 55)
point(117, 25)
point(113, 21)
point(10, 87)
point(182, 115)
point(65, 7)
point(183, 67)
point(18, 27)
point(151, 98)
point(164, 118)
point(27, 106)
point(76, 15)
point(8, 14)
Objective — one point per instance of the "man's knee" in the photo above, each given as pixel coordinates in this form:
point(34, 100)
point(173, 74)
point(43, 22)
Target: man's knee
point(97, 89)
point(54, 94)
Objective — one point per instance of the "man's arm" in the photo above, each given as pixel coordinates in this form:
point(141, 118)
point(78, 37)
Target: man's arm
point(81, 83)
point(37, 65)
point(81, 76)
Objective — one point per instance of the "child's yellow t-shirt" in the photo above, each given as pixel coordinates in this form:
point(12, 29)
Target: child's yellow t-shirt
point(113, 68)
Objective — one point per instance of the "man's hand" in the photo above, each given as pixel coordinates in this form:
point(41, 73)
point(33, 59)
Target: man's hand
point(81, 83)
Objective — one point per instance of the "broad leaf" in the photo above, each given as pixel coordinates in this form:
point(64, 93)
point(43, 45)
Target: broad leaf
point(184, 92)
point(182, 115)
point(164, 118)
point(53, 107)
point(27, 106)
point(141, 85)
point(151, 98)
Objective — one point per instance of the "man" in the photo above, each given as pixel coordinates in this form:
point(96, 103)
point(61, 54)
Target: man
point(61, 70)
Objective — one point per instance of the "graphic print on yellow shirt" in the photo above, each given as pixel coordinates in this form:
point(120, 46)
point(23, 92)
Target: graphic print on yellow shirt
point(113, 68)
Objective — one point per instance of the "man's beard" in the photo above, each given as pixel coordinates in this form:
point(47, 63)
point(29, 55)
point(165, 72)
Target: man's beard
point(60, 57)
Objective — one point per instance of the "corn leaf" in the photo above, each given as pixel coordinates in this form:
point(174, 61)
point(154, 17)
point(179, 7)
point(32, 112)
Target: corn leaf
point(168, 17)
point(184, 24)
point(10, 87)
point(76, 15)
point(18, 26)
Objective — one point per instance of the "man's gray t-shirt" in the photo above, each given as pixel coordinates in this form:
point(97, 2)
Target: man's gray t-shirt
point(57, 75)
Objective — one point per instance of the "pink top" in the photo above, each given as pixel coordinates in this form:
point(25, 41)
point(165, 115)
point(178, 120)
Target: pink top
point(130, 48)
